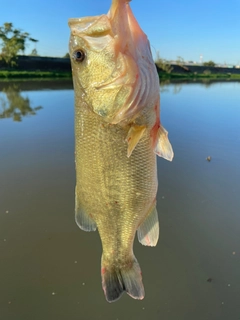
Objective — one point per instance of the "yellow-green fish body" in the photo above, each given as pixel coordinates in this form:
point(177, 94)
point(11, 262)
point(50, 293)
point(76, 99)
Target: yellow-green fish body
point(118, 132)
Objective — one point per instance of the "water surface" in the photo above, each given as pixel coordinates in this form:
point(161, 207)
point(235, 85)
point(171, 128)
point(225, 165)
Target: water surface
point(50, 269)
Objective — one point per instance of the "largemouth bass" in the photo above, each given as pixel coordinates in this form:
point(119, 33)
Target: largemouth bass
point(118, 134)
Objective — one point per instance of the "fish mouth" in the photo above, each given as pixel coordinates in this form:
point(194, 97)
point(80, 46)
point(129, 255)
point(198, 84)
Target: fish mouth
point(81, 24)
point(93, 26)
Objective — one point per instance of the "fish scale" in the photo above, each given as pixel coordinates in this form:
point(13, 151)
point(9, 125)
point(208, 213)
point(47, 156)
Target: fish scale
point(114, 179)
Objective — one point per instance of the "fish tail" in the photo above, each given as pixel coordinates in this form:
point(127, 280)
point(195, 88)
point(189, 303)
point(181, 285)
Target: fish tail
point(116, 280)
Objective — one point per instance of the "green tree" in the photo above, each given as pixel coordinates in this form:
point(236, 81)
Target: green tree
point(66, 55)
point(12, 41)
point(163, 64)
point(209, 63)
point(34, 53)
point(180, 62)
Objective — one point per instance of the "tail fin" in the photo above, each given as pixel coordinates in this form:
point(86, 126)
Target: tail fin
point(116, 280)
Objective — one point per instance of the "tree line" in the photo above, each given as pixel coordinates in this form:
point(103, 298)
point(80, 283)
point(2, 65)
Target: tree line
point(12, 42)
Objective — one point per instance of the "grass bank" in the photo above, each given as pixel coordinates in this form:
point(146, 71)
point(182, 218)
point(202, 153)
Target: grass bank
point(194, 76)
point(5, 74)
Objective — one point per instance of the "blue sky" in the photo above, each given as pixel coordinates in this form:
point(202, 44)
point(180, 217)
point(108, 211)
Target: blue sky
point(185, 28)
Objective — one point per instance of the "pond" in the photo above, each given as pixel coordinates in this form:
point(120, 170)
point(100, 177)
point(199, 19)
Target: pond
point(50, 269)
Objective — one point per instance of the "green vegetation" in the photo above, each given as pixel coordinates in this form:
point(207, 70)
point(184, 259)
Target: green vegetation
point(34, 53)
point(4, 74)
point(192, 76)
point(67, 55)
point(163, 64)
point(209, 63)
point(166, 71)
point(12, 42)
point(180, 62)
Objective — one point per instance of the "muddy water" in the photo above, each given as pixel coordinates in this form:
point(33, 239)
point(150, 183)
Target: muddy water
point(50, 269)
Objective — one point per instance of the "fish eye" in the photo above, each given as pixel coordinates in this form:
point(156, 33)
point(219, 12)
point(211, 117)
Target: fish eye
point(79, 55)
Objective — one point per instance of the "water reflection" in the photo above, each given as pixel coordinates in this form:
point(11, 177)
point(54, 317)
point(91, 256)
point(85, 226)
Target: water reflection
point(44, 270)
point(14, 105)
point(178, 83)
point(164, 86)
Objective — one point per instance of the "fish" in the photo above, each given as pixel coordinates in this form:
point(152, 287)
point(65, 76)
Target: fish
point(118, 134)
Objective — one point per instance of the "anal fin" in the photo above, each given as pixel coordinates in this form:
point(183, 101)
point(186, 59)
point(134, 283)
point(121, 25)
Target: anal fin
point(148, 231)
point(163, 147)
point(83, 220)
point(135, 133)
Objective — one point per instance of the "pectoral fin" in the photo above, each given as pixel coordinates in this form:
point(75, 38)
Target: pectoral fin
point(148, 231)
point(83, 220)
point(135, 133)
point(163, 147)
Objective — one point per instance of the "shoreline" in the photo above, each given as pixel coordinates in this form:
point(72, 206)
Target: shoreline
point(6, 74)
point(199, 76)
point(31, 67)
point(163, 76)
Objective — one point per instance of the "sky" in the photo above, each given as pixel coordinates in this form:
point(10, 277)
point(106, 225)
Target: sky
point(185, 28)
